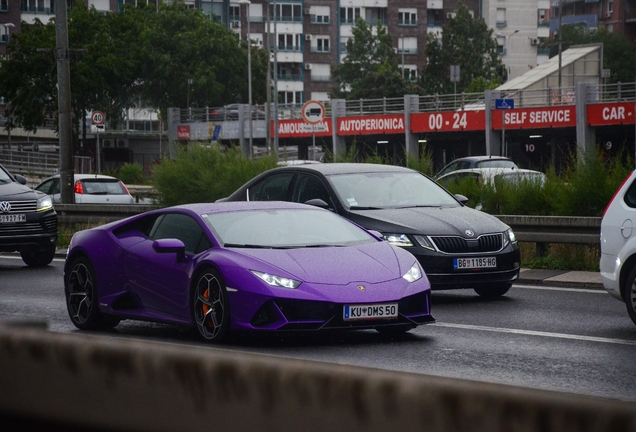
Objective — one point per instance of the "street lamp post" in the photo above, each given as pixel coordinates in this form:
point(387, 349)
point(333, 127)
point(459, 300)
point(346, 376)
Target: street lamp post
point(249, 69)
point(506, 47)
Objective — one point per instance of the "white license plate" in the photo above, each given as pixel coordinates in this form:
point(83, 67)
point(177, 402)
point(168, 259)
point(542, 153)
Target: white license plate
point(12, 218)
point(474, 263)
point(369, 311)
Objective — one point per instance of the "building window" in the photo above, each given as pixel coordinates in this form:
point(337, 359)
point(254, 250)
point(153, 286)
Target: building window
point(319, 15)
point(349, 15)
point(235, 13)
point(409, 72)
point(4, 5)
point(286, 12)
point(407, 45)
point(322, 44)
point(501, 17)
point(290, 97)
point(289, 42)
point(407, 17)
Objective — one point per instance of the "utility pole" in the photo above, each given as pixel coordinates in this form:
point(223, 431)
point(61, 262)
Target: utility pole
point(560, 44)
point(64, 103)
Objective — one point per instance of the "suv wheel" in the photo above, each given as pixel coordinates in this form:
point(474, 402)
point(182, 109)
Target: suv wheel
point(38, 256)
point(629, 294)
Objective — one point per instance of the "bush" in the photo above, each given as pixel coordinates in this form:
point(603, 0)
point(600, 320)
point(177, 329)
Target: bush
point(132, 173)
point(204, 174)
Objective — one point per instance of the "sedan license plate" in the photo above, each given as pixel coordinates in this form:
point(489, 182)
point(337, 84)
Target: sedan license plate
point(369, 311)
point(474, 263)
point(12, 218)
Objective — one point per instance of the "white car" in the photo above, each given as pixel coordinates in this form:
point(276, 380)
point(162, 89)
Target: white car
point(618, 245)
point(89, 189)
point(493, 175)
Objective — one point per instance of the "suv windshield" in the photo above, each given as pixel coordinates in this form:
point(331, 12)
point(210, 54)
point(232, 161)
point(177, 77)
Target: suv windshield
point(285, 228)
point(390, 190)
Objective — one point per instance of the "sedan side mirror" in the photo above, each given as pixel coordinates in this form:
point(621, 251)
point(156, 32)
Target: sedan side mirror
point(461, 198)
point(170, 246)
point(317, 202)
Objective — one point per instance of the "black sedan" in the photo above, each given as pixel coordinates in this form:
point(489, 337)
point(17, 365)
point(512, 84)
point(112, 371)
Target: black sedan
point(457, 246)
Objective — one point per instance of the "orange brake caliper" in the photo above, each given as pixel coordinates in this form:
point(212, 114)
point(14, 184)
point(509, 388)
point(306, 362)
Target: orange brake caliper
point(206, 308)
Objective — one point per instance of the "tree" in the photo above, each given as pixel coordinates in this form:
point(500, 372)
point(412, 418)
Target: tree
point(370, 69)
point(619, 53)
point(467, 42)
point(119, 60)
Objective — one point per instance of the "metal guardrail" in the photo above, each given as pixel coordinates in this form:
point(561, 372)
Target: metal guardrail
point(541, 230)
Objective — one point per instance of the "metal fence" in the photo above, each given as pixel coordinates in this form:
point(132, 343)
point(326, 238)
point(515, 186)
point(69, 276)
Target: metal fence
point(35, 162)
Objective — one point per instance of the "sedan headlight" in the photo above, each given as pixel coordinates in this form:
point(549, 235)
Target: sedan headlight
point(398, 240)
point(277, 281)
point(414, 273)
point(509, 237)
point(44, 203)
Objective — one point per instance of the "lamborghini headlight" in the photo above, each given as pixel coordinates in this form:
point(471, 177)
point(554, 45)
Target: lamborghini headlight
point(414, 273)
point(276, 281)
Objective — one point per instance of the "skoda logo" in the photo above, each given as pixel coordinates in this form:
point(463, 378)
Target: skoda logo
point(361, 287)
point(5, 206)
point(469, 233)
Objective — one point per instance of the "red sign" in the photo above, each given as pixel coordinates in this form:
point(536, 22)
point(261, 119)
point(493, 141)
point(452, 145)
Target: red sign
point(300, 129)
point(380, 124)
point(610, 114)
point(528, 118)
point(448, 121)
point(183, 133)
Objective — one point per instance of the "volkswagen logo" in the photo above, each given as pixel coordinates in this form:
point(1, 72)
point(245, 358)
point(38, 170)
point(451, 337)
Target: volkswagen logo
point(361, 287)
point(5, 206)
point(469, 233)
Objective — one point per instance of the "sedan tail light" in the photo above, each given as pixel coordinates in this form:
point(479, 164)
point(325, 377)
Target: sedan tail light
point(124, 186)
point(79, 189)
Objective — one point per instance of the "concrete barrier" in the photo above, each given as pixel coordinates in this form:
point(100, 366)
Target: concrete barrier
point(84, 381)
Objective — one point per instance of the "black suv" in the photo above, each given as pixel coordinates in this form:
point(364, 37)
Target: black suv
point(28, 222)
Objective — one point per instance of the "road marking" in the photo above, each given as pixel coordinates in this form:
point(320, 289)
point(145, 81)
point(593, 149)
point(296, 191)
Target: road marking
point(553, 288)
point(536, 333)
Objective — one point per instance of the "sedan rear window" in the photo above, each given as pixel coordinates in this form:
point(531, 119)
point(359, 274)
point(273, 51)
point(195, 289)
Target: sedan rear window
point(103, 187)
point(496, 163)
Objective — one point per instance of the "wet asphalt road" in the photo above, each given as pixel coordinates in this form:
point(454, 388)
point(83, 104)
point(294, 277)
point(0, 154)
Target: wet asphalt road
point(569, 340)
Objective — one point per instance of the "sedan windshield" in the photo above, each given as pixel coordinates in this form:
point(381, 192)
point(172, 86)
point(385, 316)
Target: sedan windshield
point(285, 228)
point(362, 191)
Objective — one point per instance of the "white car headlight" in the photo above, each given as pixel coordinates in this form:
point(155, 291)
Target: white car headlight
point(277, 281)
point(414, 273)
point(44, 203)
point(398, 240)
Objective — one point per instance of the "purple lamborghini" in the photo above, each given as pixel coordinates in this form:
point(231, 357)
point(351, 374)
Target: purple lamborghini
point(256, 266)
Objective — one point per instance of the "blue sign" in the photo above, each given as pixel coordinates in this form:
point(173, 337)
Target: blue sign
point(504, 103)
point(217, 131)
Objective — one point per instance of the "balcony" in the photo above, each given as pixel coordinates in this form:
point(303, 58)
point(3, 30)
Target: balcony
point(376, 21)
point(407, 22)
point(37, 10)
point(407, 51)
point(321, 78)
point(290, 77)
point(320, 49)
point(289, 48)
point(319, 19)
point(502, 24)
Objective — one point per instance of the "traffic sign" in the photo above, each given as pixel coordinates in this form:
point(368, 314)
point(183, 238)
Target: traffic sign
point(504, 103)
point(98, 117)
point(313, 112)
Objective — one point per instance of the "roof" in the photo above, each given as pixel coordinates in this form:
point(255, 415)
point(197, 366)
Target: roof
point(347, 168)
point(569, 57)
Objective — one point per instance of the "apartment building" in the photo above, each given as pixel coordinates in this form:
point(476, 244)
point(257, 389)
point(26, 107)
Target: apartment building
point(309, 36)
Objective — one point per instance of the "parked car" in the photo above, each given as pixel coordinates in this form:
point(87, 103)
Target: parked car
point(618, 245)
point(457, 246)
point(477, 162)
point(259, 267)
point(493, 176)
point(231, 112)
point(28, 222)
point(89, 189)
